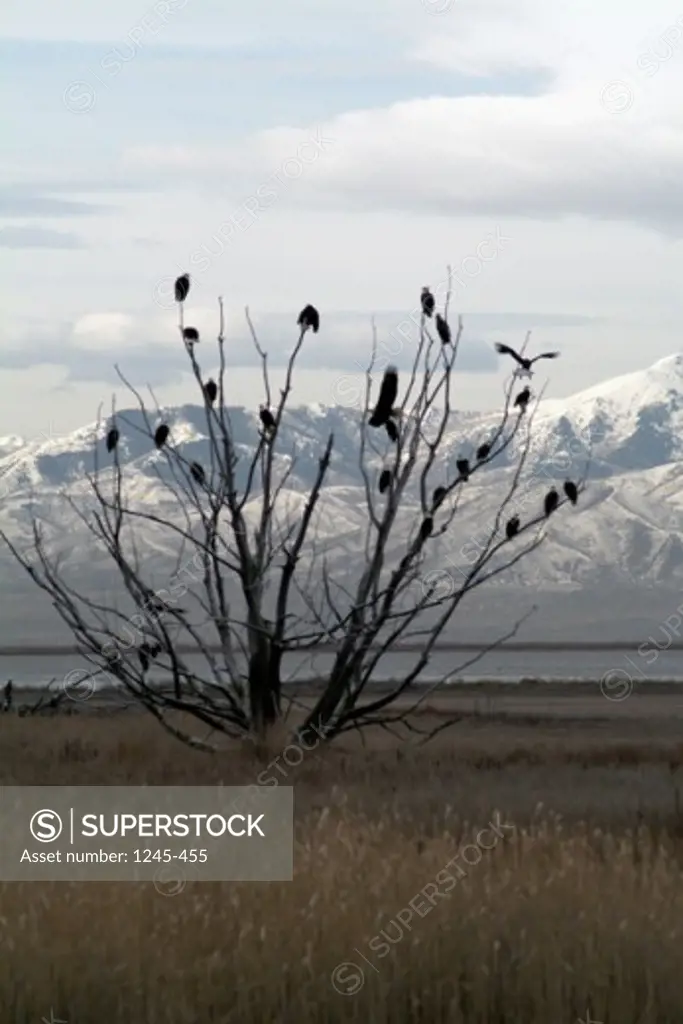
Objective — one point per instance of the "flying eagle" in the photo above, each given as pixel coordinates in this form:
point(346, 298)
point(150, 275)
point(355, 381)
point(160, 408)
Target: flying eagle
point(525, 364)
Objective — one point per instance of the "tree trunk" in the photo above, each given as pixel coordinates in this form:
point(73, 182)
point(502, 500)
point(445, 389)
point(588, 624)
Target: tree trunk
point(264, 686)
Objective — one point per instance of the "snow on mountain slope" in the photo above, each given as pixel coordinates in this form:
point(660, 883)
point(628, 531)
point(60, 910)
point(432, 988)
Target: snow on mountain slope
point(628, 527)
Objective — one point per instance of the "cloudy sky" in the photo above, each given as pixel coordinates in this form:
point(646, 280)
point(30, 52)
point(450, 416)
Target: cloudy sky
point(339, 153)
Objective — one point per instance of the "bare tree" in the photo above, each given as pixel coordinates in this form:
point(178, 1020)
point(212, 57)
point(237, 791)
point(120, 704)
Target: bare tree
point(260, 582)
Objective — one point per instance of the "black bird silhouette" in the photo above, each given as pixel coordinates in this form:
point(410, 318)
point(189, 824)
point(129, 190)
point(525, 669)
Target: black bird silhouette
point(463, 468)
point(512, 527)
point(182, 287)
point(387, 397)
point(112, 439)
point(198, 474)
point(151, 650)
point(483, 451)
point(552, 500)
point(190, 334)
point(267, 418)
point(384, 480)
point(144, 659)
point(522, 399)
point(160, 435)
point(426, 527)
point(211, 391)
point(309, 317)
point(392, 430)
point(526, 364)
point(571, 490)
point(438, 495)
point(427, 301)
point(443, 330)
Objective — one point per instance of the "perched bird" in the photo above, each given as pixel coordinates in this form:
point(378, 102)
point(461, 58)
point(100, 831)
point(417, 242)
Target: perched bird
point(571, 490)
point(384, 480)
point(161, 434)
point(438, 495)
point(427, 301)
point(525, 364)
point(483, 451)
point(190, 334)
point(443, 330)
point(309, 317)
point(112, 439)
point(426, 527)
point(211, 391)
point(198, 474)
point(151, 650)
point(267, 418)
point(392, 430)
point(552, 500)
point(144, 659)
point(387, 397)
point(522, 399)
point(182, 287)
point(463, 468)
point(512, 527)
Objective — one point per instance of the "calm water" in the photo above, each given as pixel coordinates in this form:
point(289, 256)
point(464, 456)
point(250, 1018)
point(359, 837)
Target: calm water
point(506, 666)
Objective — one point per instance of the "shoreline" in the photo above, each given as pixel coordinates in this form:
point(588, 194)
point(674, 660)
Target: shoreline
point(557, 698)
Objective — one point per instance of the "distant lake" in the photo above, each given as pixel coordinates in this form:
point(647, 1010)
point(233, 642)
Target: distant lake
point(504, 666)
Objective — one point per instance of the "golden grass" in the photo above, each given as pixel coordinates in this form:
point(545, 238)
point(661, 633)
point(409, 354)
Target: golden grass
point(575, 903)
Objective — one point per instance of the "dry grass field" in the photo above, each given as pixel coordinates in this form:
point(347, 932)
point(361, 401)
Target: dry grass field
point(525, 867)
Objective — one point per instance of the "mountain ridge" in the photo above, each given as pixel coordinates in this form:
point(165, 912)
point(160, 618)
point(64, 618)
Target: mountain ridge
point(627, 530)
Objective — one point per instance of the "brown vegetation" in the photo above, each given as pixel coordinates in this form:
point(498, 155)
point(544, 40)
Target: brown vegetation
point(572, 903)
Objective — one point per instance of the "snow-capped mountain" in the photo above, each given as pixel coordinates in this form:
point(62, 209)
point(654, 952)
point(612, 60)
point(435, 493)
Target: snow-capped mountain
point(627, 529)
